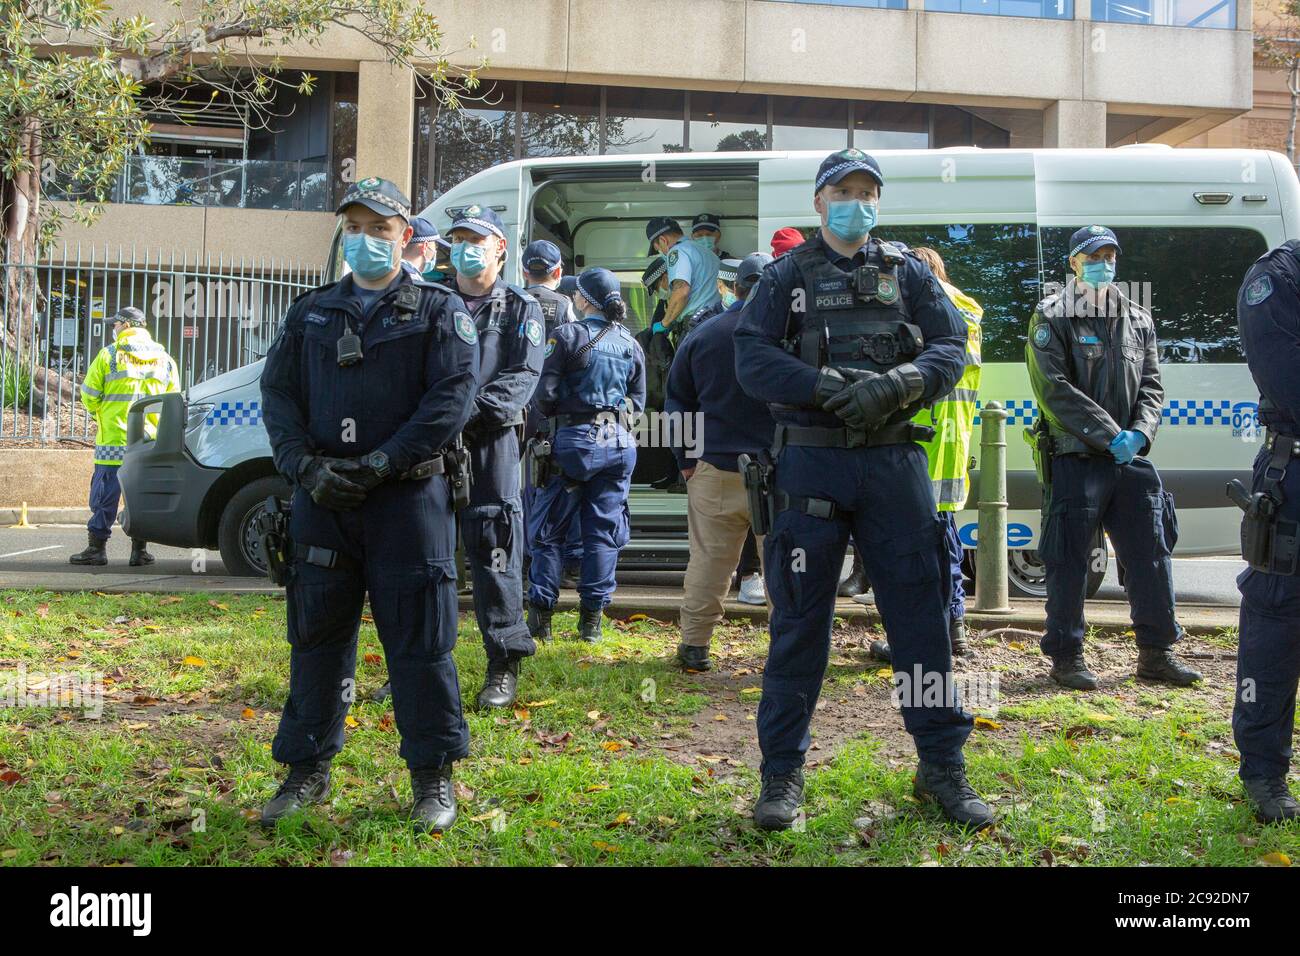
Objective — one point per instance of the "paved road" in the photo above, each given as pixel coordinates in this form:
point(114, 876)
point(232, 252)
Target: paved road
point(31, 557)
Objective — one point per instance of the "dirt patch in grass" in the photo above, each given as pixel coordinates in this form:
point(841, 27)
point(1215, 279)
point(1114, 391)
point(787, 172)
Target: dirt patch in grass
point(855, 699)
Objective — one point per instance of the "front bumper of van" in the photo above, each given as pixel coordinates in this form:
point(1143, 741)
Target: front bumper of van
point(164, 488)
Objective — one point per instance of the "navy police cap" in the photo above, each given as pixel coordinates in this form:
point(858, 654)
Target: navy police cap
point(1090, 239)
point(377, 195)
point(842, 162)
point(541, 257)
point(657, 226)
point(706, 220)
point(750, 268)
point(480, 219)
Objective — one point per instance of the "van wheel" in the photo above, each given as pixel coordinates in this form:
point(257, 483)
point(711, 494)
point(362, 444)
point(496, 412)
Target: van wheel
point(241, 549)
point(1026, 576)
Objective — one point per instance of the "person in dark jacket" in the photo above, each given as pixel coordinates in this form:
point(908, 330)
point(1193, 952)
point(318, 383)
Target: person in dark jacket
point(727, 423)
point(1094, 366)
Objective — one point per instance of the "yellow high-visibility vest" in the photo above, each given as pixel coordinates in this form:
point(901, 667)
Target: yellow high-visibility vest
point(953, 415)
point(133, 366)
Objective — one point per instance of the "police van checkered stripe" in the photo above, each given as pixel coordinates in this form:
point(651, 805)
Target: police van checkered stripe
point(1179, 411)
point(236, 413)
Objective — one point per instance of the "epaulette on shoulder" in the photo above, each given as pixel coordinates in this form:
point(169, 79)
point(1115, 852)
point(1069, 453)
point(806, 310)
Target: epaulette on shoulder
point(521, 292)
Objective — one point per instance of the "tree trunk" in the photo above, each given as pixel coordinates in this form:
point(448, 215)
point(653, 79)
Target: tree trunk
point(20, 203)
point(1293, 85)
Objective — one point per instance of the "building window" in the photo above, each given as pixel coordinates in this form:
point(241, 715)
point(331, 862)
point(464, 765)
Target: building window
point(1220, 14)
point(1038, 9)
point(728, 122)
point(806, 122)
point(891, 126)
point(452, 145)
point(343, 136)
point(877, 4)
point(644, 121)
point(559, 119)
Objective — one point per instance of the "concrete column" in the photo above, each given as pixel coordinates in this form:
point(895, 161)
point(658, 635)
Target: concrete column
point(1245, 15)
point(385, 122)
point(1075, 124)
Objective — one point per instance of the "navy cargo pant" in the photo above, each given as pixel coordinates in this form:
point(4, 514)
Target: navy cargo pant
point(596, 462)
point(105, 496)
point(399, 546)
point(1268, 654)
point(954, 551)
point(492, 528)
point(572, 550)
point(884, 501)
point(1130, 503)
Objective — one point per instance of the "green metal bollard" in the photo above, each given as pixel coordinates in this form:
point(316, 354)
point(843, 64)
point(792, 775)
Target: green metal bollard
point(991, 595)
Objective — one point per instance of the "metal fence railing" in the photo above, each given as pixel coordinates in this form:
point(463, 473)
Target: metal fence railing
point(212, 314)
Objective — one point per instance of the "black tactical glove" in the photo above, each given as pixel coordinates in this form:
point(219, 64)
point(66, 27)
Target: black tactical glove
point(872, 398)
point(830, 382)
point(358, 471)
point(324, 480)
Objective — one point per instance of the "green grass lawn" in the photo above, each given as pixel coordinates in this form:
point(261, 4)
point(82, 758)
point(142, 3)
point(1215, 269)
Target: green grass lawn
point(611, 756)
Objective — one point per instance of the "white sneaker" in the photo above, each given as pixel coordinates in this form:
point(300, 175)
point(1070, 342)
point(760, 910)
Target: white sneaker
point(752, 590)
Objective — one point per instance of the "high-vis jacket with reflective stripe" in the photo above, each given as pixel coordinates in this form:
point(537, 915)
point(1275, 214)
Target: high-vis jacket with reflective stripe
point(133, 366)
point(953, 415)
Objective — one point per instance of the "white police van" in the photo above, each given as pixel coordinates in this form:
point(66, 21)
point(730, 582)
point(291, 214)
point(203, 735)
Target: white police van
point(1190, 222)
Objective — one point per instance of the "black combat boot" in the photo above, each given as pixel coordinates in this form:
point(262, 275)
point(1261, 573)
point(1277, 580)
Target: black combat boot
point(1069, 670)
point(881, 651)
point(307, 783)
point(1160, 664)
point(1271, 799)
point(500, 684)
point(957, 638)
point(947, 786)
point(779, 800)
point(539, 622)
point(856, 582)
point(589, 619)
point(96, 552)
point(693, 658)
point(569, 577)
point(139, 556)
point(435, 799)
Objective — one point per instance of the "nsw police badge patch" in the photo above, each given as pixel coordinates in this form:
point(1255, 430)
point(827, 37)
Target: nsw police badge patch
point(550, 347)
point(1042, 335)
point(465, 327)
point(886, 289)
point(1259, 290)
point(533, 329)
point(672, 257)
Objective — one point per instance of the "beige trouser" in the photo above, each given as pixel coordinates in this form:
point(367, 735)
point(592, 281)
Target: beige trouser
point(718, 516)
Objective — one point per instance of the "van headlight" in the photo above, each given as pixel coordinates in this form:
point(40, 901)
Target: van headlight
point(196, 415)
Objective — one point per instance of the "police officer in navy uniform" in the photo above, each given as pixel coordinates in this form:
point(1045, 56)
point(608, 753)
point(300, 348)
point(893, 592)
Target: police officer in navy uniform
point(511, 336)
point(1094, 366)
point(845, 338)
point(371, 378)
point(422, 253)
point(1268, 651)
point(593, 378)
point(692, 276)
point(544, 270)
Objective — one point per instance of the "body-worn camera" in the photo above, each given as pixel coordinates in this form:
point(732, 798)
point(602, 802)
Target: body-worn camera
point(866, 280)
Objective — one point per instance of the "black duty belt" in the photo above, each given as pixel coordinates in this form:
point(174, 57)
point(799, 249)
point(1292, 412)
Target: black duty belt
point(586, 418)
point(813, 437)
point(1271, 438)
point(436, 465)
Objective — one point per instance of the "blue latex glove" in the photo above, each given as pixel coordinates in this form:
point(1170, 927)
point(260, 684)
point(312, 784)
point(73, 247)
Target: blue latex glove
point(1126, 445)
point(657, 328)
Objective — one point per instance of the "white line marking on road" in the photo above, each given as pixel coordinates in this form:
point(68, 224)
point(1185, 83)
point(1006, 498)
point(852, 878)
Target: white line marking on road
point(14, 554)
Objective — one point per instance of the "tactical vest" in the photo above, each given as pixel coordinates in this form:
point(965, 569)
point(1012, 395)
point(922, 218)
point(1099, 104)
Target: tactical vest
point(845, 324)
point(598, 371)
point(497, 318)
point(554, 305)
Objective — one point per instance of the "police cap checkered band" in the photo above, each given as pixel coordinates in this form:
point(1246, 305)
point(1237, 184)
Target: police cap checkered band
point(727, 269)
point(654, 271)
point(131, 316)
point(480, 219)
point(423, 231)
point(377, 195)
point(1090, 239)
point(839, 164)
point(599, 287)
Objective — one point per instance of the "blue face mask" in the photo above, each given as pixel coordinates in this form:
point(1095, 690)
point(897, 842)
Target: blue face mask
point(728, 299)
point(367, 256)
point(468, 259)
point(850, 219)
point(707, 242)
point(433, 275)
point(1097, 274)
